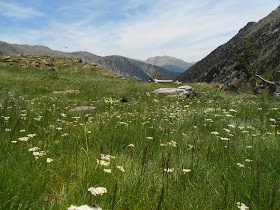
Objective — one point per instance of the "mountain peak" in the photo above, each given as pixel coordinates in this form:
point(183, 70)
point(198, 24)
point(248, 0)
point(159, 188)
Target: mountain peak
point(169, 62)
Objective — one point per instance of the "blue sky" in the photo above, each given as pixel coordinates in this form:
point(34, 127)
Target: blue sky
point(186, 29)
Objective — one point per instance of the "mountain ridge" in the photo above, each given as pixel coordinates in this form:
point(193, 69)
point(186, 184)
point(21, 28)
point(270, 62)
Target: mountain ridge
point(126, 67)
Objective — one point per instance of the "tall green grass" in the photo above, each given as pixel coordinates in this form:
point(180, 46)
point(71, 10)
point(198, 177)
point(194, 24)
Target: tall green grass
point(229, 142)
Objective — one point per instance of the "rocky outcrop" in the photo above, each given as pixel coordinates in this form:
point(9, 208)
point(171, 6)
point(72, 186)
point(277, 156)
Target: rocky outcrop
point(219, 66)
point(186, 91)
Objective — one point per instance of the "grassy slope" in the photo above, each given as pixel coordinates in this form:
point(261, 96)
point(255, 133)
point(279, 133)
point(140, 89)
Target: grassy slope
point(215, 180)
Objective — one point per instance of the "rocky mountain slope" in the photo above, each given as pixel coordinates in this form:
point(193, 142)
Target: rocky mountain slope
point(124, 66)
point(219, 65)
point(169, 63)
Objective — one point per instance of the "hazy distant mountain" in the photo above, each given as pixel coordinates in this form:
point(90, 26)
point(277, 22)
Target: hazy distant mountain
point(124, 66)
point(219, 65)
point(169, 63)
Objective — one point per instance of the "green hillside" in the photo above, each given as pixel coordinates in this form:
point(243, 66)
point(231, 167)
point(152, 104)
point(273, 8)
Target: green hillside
point(206, 152)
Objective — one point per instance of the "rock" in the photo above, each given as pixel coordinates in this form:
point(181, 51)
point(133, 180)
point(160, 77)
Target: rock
point(20, 54)
point(67, 91)
point(171, 91)
point(22, 64)
point(79, 60)
point(35, 64)
point(6, 58)
point(178, 83)
point(187, 91)
point(85, 108)
point(49, 64)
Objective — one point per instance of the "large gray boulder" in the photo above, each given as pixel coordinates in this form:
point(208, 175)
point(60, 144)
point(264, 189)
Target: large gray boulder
point(186, 91)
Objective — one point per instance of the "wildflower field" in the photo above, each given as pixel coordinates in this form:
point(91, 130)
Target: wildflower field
point(217, 150)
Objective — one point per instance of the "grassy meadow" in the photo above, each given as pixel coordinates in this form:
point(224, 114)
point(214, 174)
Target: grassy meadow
point(206, 152)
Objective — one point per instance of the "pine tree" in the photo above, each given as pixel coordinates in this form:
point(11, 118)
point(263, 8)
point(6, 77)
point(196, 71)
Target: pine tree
point(248, 61)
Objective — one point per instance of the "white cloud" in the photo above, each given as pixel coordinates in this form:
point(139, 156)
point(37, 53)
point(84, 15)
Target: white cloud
point(12, 10)
point(188, 30)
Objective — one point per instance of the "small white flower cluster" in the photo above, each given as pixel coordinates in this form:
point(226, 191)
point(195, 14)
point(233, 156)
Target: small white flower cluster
point(123, 123)
point(169, 144)
point(272, 120)
point(131, 145)
point(37, 153)
point(111, 100)
point(26, 138)
point(6, 118)
point(97, 191)
point(49, 160)
point(121, 168)
point(242, 206)
point(102, 162)
point(170, 170)
point(63, 115)
point(23, 138)
point(83, 207)
point(31, 135)
point(240, 165)
point(33, 149)
point(108, 171)
point(226, 130)
point(38, 118)
point(105, 161)
point(186, 170)
point(107, 157)
point(209, 120)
